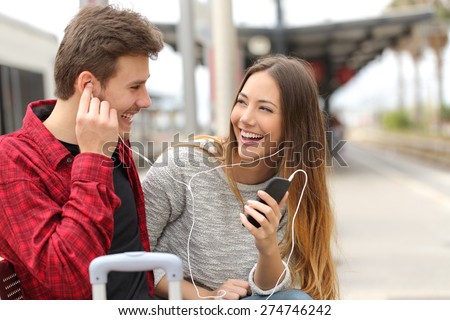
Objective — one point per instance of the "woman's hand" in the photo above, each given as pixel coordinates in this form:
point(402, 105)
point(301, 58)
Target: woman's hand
point(265, 236)
point(232, 289)
point(269, 266)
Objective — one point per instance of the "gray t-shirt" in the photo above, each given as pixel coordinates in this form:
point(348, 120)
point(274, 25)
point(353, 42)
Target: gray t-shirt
point(192, 212)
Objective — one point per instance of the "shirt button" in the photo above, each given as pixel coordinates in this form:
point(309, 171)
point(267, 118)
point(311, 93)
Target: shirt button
point(69, 160)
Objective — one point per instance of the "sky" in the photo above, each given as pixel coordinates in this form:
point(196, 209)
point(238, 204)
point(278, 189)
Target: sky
point(53, 15)
point(368, 88)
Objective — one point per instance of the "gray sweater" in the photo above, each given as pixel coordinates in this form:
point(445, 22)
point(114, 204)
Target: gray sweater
point(202, 228)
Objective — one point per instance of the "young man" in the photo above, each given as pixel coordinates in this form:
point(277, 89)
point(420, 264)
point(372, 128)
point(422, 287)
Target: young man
point(69, 188)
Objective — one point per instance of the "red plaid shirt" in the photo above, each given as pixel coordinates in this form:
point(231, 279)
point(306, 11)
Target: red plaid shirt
point(57, 211)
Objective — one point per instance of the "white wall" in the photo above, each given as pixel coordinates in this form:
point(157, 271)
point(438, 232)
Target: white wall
point(25, 47)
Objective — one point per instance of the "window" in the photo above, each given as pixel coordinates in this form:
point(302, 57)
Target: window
point(18, 88)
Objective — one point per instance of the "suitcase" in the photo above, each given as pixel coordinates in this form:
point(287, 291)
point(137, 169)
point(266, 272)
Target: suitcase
point(136, 261)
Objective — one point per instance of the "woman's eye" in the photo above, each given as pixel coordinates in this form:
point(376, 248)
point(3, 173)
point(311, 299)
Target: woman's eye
point(266, 109)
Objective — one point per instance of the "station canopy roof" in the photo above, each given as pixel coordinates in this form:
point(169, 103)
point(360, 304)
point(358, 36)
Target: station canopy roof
point(340, 49)
point(337, 50)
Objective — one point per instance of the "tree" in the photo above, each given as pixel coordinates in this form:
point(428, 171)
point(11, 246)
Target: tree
point(435, 34)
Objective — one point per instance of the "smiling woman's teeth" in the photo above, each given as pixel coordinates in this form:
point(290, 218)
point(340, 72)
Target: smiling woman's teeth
point(251, 135)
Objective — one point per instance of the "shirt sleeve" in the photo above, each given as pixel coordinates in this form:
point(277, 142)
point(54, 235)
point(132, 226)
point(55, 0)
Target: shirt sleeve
point(54, 242)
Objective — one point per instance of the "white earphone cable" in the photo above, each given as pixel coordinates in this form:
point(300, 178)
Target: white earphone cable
point(188, 186)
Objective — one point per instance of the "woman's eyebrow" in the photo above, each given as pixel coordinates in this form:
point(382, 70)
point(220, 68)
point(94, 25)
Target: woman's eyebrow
point(260, 100)
point(267, 101)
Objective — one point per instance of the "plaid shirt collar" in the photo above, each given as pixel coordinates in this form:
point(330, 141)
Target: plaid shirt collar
point(53, 150)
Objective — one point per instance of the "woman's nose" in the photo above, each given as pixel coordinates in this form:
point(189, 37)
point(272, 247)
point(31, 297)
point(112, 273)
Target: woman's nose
point(248, 116)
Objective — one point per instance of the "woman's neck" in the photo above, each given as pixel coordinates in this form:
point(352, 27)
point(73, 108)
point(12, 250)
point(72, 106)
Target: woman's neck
point(254, 173)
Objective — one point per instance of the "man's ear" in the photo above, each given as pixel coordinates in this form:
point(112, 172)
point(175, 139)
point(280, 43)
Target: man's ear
point(84, 78)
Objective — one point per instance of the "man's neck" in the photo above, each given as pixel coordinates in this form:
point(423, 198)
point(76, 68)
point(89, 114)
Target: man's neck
point(61, 122)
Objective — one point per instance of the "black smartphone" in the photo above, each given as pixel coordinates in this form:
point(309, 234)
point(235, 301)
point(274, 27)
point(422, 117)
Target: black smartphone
point(276, 188)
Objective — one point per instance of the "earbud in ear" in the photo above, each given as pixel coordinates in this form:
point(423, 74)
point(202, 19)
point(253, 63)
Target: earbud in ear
point(92, 95)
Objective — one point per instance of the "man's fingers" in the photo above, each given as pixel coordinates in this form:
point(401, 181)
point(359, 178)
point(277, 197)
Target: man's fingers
point(105, 111)
point(113, 114)
point(85, 100)
point(96, 124)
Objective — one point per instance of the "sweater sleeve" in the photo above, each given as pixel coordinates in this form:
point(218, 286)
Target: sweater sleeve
point(283, 285)
point(164, 193)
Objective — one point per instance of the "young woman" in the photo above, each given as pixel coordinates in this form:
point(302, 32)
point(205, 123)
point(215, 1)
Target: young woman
point(198, 196)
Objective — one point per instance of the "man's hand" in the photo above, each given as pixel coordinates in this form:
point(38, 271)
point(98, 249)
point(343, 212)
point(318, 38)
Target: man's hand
point(97, 127)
